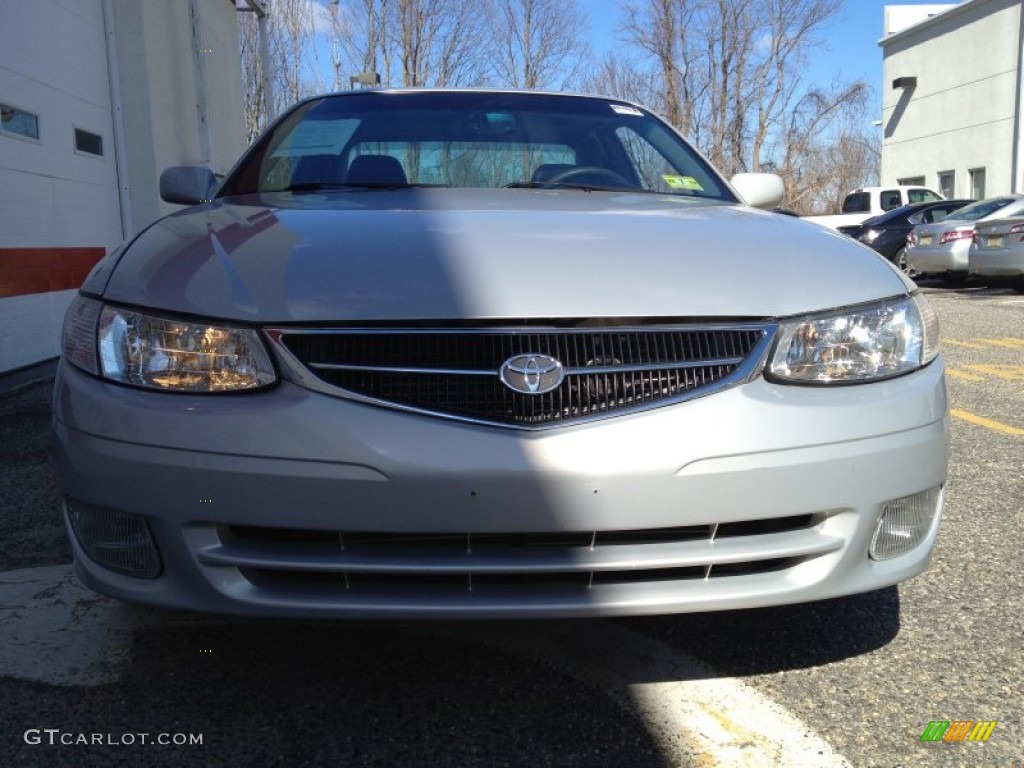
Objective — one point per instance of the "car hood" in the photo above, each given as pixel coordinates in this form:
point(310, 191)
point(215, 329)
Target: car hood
point(439, 254)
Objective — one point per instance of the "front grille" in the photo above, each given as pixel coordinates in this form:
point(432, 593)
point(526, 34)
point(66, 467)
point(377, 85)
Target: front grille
point(397, 565)
point(456, 372)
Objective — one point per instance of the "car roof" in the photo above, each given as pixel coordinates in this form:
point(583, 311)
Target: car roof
point(496, 91)
point(1011, 199)
point(910, 209)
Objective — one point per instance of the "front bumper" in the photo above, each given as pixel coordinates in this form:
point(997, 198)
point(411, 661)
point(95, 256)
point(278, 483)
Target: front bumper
point(506, 523)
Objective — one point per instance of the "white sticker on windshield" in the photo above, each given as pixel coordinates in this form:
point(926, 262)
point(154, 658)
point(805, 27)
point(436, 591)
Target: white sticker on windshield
point(622, 109)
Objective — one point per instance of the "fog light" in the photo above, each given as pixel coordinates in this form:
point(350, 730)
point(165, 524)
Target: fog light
point(116, 540)
point(904, 523)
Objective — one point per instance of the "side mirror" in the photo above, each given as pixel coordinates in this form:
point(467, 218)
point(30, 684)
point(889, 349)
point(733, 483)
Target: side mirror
point(188, 184)
point(760, 190)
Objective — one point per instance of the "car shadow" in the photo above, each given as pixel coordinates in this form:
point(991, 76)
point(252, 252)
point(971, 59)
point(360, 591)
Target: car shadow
point(974, 287)
point(764, 640)
point(454, 693)
point(268, 693)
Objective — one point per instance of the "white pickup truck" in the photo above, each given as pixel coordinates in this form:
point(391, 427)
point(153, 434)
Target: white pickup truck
point(861, 204)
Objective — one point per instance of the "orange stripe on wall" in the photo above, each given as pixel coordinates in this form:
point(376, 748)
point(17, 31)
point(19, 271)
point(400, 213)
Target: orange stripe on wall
point(41, 270)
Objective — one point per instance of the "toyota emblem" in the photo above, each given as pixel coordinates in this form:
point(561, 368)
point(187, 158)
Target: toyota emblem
point(532, 374)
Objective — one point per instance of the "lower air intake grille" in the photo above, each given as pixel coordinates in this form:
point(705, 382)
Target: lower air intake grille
point(286, 560)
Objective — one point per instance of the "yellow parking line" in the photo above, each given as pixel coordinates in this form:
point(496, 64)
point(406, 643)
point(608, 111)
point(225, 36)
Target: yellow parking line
point(1011, 343)
point(1006, 372)
point(962, 375)
point(967, 344)
point(981, 421)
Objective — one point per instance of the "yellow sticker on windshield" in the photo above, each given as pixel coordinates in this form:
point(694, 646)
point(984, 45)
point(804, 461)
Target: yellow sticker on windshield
point(683, 182)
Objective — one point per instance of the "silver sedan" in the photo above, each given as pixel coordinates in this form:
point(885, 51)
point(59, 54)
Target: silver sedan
point(942, 249)
point(998, 250)
point(469, 354)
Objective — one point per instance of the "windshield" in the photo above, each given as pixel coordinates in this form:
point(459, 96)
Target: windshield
point(982, 208)
point(380, 139)
point(933, 213)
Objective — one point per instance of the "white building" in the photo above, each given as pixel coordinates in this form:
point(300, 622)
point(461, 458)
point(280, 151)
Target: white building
point(97, 97)
point(952, 92)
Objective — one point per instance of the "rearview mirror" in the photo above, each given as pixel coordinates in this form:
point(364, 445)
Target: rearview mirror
point(760, 190)
point(187, 184)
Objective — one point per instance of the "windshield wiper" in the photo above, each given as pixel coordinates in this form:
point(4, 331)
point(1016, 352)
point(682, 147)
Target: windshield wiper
point(315, 186)
point(569, 185)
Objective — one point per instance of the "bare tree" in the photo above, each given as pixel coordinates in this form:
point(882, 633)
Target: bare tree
point(363, 37)
point(660, 29)
point(252, 74)
point(725, 30)
point(340, 31)
point(293, 64)
point(824, 152)
point(293, 52)
point(625, 78)
point(730, 75)
point(414, 43)
point(539, 42)
point(792, 27)
point(440, 42)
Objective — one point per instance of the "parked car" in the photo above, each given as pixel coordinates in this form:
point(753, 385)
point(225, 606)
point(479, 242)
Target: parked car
point(474, 354)
point(861, 204)
point(998, 250)
point(941, 249)
point(887, 233)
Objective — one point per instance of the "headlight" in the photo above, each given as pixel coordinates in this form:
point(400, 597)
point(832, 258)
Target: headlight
point(857, 345)
point(869, 236)
point(162, 353)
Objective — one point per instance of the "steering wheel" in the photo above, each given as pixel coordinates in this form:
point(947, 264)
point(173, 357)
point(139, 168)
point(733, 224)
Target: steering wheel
point(593, 174)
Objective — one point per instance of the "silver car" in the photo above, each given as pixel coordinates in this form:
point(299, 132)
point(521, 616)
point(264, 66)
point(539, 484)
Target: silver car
point(473, 354)
point(942, 249)
point(998, 250)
